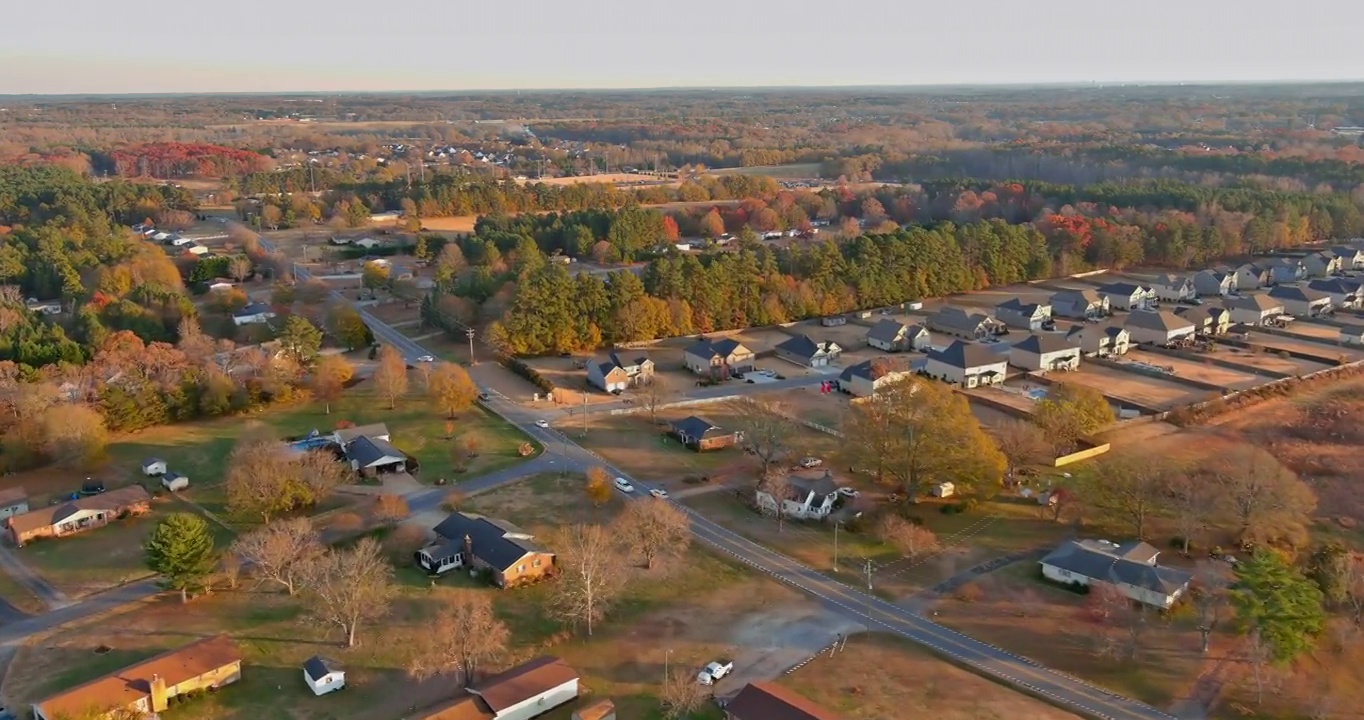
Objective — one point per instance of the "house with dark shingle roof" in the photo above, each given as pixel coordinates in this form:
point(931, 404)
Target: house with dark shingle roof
point(701, 435)
point(1174, 288)
point(1025, 316)
point(806, 352)
point(371, 455)
point(893, 336)
point(1352, 335)
point(770, 701)
point(1217, 283)
point(525, 691)
point(1300, 300)
point(507, 552)
point(1252, 276)
point(1351, 258)
point(967, 364)
point(1127, 296)
point(806, 498)
point(1079, 304)
point(1045, 351)
point(868, 376)
point(1158, 327)
point(1101, 340)
point(720, 358)
point(1345, 292)
point(1254, 309)
point(959, 323)
point(1323, 263)
point(1130, 567)
point(1207, 319)
point(613, 374)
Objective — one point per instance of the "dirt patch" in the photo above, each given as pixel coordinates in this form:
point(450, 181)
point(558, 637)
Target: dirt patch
point(547, 499)
point(645, 451)
point(1265, 361)
point(456, 224)
point(876, 677)
point(1202, 372)
point(1147, 391)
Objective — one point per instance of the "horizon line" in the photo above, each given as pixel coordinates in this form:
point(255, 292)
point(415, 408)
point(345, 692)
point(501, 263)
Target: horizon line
point(1079, 84)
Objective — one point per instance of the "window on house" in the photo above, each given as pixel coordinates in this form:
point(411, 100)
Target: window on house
point(536, 563)
point(521, 568)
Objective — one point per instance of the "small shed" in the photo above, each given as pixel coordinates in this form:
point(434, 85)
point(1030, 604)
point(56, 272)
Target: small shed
point(152, 467)
point(13, 501)
point(174, 481)
point(944, 490)
point(323, 675)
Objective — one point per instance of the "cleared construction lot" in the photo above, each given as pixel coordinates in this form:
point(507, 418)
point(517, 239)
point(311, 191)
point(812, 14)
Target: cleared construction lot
point(1148, 391)
point(1202, 372)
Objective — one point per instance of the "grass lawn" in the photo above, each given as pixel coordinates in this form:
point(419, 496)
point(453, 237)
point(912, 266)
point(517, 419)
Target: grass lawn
point(643, 450)
point(1022, 613)
point(877, 677)
point(19, 596)
point(105, 557)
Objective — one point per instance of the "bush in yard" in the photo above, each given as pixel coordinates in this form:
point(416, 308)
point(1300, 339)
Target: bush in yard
point(970, 593)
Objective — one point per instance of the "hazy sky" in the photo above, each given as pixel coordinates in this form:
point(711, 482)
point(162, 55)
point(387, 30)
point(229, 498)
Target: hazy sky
point(85, 46)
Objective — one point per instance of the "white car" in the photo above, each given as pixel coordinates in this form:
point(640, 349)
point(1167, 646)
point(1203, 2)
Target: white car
point(715, 671)
point(659, 493)
point(810, 462)
point(542, 423)
point(847, 492)
point(624, 485)
point(427, 358)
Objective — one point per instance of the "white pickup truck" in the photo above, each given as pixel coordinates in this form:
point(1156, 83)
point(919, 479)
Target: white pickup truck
point(715, 671)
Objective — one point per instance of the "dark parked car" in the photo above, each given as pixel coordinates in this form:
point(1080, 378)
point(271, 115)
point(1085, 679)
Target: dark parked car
point(92, 487)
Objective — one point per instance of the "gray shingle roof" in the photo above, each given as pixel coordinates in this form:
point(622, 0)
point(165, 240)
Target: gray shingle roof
point(865, 368)
point(493, 543)
point(345, 435)
point(967, 355)
point(707, 348)
point(1075, 296)
point(885, 330)
point(1338, 285)
point(1124, 289)
point(250, 309)
point(1124, 564)
point(693, 427)
point(318, 667)
point(1042, 343)
point(1162, 320)
point(1016, 305)
point(1258, 301)
point(1296, 292)
point(366, 450)
point(956, 318)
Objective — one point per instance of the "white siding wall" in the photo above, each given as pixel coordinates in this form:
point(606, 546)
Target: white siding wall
point(328, 683)
point(541, 703)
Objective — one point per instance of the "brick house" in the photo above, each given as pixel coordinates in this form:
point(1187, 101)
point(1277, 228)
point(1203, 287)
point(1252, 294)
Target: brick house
point(79, 515)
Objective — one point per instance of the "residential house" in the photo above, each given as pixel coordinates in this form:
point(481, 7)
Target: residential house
point(1101, 340)
point(1207, 319)
point(1351, 258)
point(366, 243)
point(1127, 296)
point(1079, 304)
point(323, 675)
point(769, 701)
point(252, 314)
point(959, 323)
point(1045, 351)
point(44, 307)
point(1352, 335)
point(805, 498)
point(147, 687)
point(1254, 309)
point(1300, 300)
point(78, 515)
point(13, 501)
point(718, 358)
point(1251, 277)
point(833, 320)
point(1214, 282)
point(520, 693)
point(509, 553)
point(868, 376)
point(1321, 264)
point(371, 456)
point(967, 364)
point(1284, 270)
point(1158, 327)
point(1025, 316)
point(1174, 288)
point(1130, 567)
point(377, 431)
point(1345, 292)
point(614, 374)
point(805, 352)
point(892, 336)
point(700, 435)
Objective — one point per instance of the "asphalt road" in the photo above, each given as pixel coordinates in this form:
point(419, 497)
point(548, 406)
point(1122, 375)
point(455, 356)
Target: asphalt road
point(1059, 688)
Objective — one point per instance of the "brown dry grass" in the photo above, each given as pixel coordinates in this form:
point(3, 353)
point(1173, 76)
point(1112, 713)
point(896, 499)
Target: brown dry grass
point(1202, 372)
point(877, 677)
point(1120, 384)
point(457, 224)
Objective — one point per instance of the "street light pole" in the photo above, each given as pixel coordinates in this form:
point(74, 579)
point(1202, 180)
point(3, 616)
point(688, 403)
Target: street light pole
point(470, 334)
point(868, 575)
point(836, 524)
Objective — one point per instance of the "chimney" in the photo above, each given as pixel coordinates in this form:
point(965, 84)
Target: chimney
point(160, 697)
point(468, 550)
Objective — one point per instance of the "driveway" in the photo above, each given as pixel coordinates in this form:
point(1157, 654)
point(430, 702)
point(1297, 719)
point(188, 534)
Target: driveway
point(771, 643)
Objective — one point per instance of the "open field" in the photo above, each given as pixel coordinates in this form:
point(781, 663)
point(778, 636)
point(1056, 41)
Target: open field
point(644, 450)
point(1202, 372)
point(1149, 391)
point(105, 557)
point(986, 300)
point(610, 178)
point(877, 677)
point(793, 170)
point(1266, 361)
point(1319, 349)
point(455, 224)
point(809, 403)
point(1328, 334)
point(1020, 612)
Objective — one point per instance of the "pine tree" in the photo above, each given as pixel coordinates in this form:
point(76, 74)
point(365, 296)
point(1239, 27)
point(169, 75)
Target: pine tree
point(180, 548)
point(1272, 598)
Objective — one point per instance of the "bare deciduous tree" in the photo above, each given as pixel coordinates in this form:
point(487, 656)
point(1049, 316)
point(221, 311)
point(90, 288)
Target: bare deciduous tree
point(1123, 621)
point(1023, 443)
point(777, 486)
point(389, 508)
point(350, 586)
point(1209, 593)
point(230, 566)
point(390, 376)
point(239, 267)
point(653, 528)
point(1127, 487)
point(907, 537)
point(464, 634)
point(280, 551)
point(681, 695)
point(592, 573)
point(1191, 501)
point(767, 431)
point(659, 391)
point(1268, 502)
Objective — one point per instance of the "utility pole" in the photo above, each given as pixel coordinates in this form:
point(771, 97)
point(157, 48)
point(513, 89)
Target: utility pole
point(666, 653)
point(470, 334)
point(869, 575)
point(584, 415)
point(836, 524)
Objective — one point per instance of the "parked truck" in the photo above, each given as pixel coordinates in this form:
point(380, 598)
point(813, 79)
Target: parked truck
point(715, 671)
